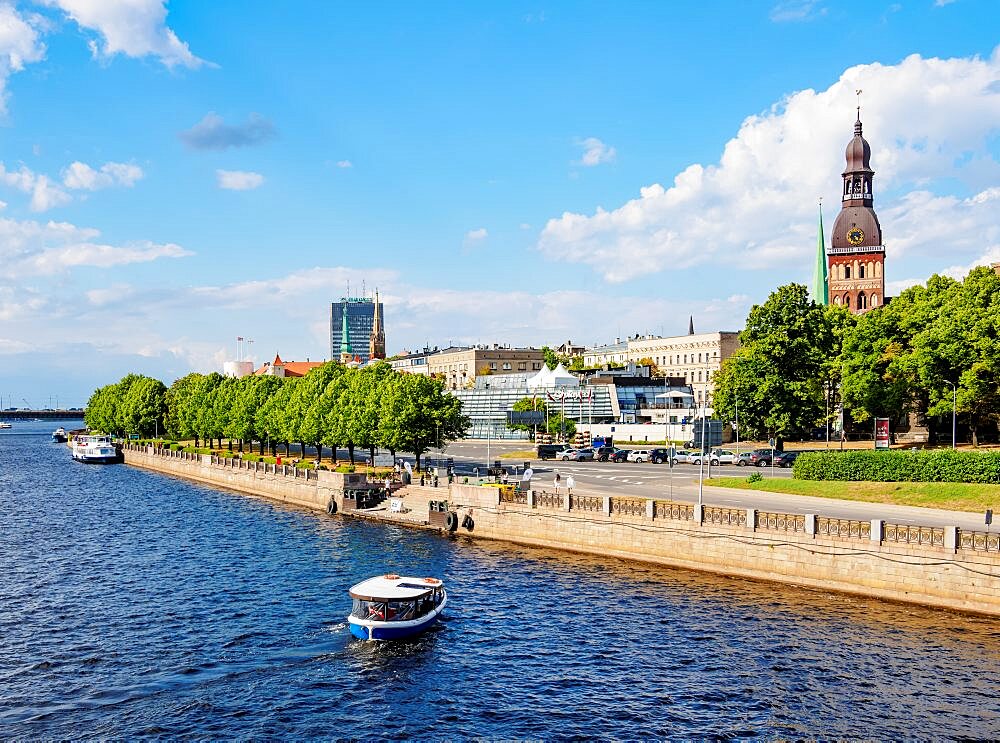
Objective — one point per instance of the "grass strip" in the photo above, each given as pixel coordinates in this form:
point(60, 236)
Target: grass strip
point(951, 496)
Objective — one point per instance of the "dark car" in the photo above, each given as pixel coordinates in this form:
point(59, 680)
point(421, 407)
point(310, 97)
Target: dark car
point(551, 451)
point(785, 458)
point(603, 453)
point(659, 456)
point(762, 457)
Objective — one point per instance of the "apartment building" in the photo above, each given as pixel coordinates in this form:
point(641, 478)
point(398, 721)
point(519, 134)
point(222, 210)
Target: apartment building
point(695, 357)
point(459, 366)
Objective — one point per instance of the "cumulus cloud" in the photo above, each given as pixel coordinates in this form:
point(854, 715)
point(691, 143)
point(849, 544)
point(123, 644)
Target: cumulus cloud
point(595, 152)
point(239, 180)
point(81, 176)
point(930, 123)
point(47, 194)
point(20, 45)
point(213, 133)
point(135, 28)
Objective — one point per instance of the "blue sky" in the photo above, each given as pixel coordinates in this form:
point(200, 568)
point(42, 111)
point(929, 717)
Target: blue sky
point(177, 175)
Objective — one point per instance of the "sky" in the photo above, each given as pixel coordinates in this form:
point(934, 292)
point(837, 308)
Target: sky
point(177, 175)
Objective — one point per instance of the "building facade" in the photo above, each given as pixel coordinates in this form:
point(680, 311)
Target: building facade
point(856, 257)
point(360, 312)
point(693, 358)
point(460, 366)
point(613, 353)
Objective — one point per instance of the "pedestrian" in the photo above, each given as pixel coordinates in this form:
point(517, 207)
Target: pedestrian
point(570, 482)
point(558, 483)
point(388, 485)
point(435, 479)
point(421, 479)
point(504, 476)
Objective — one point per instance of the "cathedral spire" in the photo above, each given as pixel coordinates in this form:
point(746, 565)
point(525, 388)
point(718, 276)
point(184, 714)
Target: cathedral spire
point(346, 354)
point(820, 286)
point(376, 343)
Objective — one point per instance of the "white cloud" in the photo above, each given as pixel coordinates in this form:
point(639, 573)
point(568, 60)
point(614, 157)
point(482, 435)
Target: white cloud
point(474, 237)
point(19, 45)
point(929, 121)
point(81, 176)
point(796, 10)
point(29, 248)
point(239, 180)
point(525, 226)
point(345, 164)
point(595, 152)
point(135, 28)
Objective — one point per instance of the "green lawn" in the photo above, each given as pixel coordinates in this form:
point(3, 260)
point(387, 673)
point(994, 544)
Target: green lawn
point(952, 496)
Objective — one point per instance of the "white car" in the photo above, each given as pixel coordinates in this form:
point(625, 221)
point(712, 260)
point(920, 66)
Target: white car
point(723, 456)
point(638, 455)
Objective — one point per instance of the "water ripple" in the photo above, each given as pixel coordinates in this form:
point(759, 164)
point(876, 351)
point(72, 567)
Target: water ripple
point(134, 605)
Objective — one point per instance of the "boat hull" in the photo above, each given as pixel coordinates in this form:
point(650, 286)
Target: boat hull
point(370, 629)
point(98, 460)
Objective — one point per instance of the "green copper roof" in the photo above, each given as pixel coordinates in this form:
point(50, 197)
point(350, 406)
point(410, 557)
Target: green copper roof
point(821, 288)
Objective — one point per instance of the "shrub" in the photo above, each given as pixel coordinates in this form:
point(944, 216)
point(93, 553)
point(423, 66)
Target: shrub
point(899, 466)
point(755, 477)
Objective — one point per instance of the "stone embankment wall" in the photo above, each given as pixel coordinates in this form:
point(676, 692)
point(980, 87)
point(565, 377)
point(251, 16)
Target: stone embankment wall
point(945, 567)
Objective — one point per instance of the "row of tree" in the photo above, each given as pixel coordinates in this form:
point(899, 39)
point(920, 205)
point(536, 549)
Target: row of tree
point(333, 405)
point(931, 350)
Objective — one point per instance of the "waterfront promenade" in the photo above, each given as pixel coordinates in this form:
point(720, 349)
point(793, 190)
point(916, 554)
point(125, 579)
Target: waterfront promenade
point(939, 565)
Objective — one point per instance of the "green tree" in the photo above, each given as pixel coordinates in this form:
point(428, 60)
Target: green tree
point(550, 357)
point(416, 414)
point(778, 372)
point(524, 405)
point(143, 406)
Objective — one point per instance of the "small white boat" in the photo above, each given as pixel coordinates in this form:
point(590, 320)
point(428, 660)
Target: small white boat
point(4, 424)
point(59, 435)
point(394, 607)
point(95, 450)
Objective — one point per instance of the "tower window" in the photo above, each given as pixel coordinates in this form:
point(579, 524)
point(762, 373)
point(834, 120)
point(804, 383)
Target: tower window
point(847, 301)
point(861, 271)
point(847, 272)
point(862, 301)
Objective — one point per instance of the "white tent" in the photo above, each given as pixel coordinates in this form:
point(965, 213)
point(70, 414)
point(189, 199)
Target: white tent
point(562, 378)
point(542, 379)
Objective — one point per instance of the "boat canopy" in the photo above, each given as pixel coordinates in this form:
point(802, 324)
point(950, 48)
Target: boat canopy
point(394, 588)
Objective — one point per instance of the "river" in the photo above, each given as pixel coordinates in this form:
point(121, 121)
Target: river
point(134, 605)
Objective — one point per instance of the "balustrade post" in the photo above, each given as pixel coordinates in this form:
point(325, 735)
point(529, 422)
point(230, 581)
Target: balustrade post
point(531, 498)
point(951, 539)
point(811, 524)
point(752, 519)
point(878, 529)
point(698, 513)
point(606, 506)
point(650, 509)
point(566, 500)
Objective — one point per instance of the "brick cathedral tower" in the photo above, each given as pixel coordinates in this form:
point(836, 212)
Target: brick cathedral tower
point(856, 255)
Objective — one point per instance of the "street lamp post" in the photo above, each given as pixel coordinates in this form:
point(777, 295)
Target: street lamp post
point(954, 410)
point(701, 461)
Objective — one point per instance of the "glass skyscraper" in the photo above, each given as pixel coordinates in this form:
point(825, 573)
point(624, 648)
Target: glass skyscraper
point(360, 319)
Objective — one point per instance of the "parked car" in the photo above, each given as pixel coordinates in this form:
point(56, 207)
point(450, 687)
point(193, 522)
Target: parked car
point(743, 459)
point(762, 457)
point(681, 455)
point(603, 453)
point(619, 455)
point(659, 456)
point(551, 451)
point(723, 456)
point(638, 455)
point(785, 458)
point(577, 455)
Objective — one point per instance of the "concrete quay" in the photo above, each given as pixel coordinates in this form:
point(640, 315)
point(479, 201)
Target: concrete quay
point(942, 566)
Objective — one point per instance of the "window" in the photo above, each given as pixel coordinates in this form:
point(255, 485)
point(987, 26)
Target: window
point(874, 300)
point(861, 271)
point(847, 272)
point(536, 365)
point(522, 365)
point(507, 366)
point(847, 301)
point(862, 301)
point(493, 366)
point(699, 358)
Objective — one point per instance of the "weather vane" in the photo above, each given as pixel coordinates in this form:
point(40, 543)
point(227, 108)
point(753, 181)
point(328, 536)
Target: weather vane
point(858, 94)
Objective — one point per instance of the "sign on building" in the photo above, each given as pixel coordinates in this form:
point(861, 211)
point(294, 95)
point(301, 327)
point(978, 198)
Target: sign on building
point(526, 417)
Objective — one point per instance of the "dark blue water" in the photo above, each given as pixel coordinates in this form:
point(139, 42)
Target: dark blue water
point(135, 605)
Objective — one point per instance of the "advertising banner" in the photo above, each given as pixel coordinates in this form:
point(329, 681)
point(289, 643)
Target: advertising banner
point(881, 433)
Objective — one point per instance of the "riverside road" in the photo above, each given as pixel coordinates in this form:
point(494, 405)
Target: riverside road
point(658, 481)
